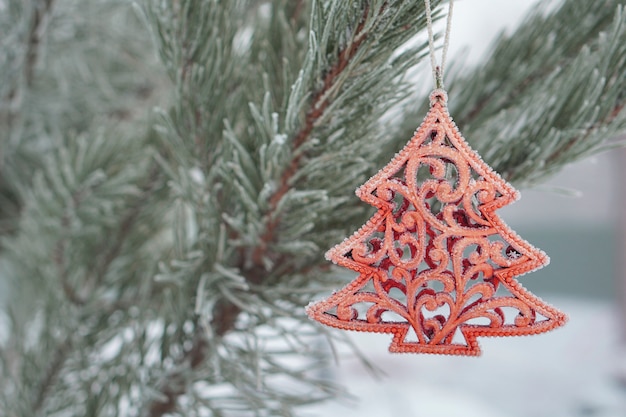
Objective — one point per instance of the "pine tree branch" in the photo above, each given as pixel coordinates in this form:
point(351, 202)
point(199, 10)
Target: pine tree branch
point(174, 385)
point(552, 160)
point(225, 313)
point(125, 226)
point(13, 97)
point(59, 256)
point(40, 17)
point(483, 102)
point(42, 11)
point(317, 108)
point(110, 252)
point(564, 149)
point(59, 260)
point(58, 360)
point(63, 350)
point(225, 316)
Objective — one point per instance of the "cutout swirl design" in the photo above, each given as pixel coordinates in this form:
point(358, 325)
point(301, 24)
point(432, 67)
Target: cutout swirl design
point(436, 265)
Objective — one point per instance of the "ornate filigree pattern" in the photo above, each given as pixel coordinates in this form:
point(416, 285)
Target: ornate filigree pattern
point(436, 264)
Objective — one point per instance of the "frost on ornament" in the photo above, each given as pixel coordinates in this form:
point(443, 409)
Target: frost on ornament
point(436, 265)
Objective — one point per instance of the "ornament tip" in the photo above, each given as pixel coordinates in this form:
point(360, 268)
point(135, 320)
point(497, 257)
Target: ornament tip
point(438, 95)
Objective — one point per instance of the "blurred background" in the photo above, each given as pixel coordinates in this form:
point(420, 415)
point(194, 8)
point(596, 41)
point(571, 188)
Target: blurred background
point(578, 370)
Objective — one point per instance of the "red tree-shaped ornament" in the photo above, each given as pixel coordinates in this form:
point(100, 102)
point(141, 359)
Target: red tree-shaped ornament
point(436, 265)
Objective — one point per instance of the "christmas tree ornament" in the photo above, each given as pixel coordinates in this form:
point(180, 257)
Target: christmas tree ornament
point(436, 265)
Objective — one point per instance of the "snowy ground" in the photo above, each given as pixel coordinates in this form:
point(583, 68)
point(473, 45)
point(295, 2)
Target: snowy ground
point(571, 372)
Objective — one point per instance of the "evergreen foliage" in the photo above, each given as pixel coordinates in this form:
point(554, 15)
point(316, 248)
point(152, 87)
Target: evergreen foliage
point(172, 171)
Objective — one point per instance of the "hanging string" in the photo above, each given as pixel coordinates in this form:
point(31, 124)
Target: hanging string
point(438, 69)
